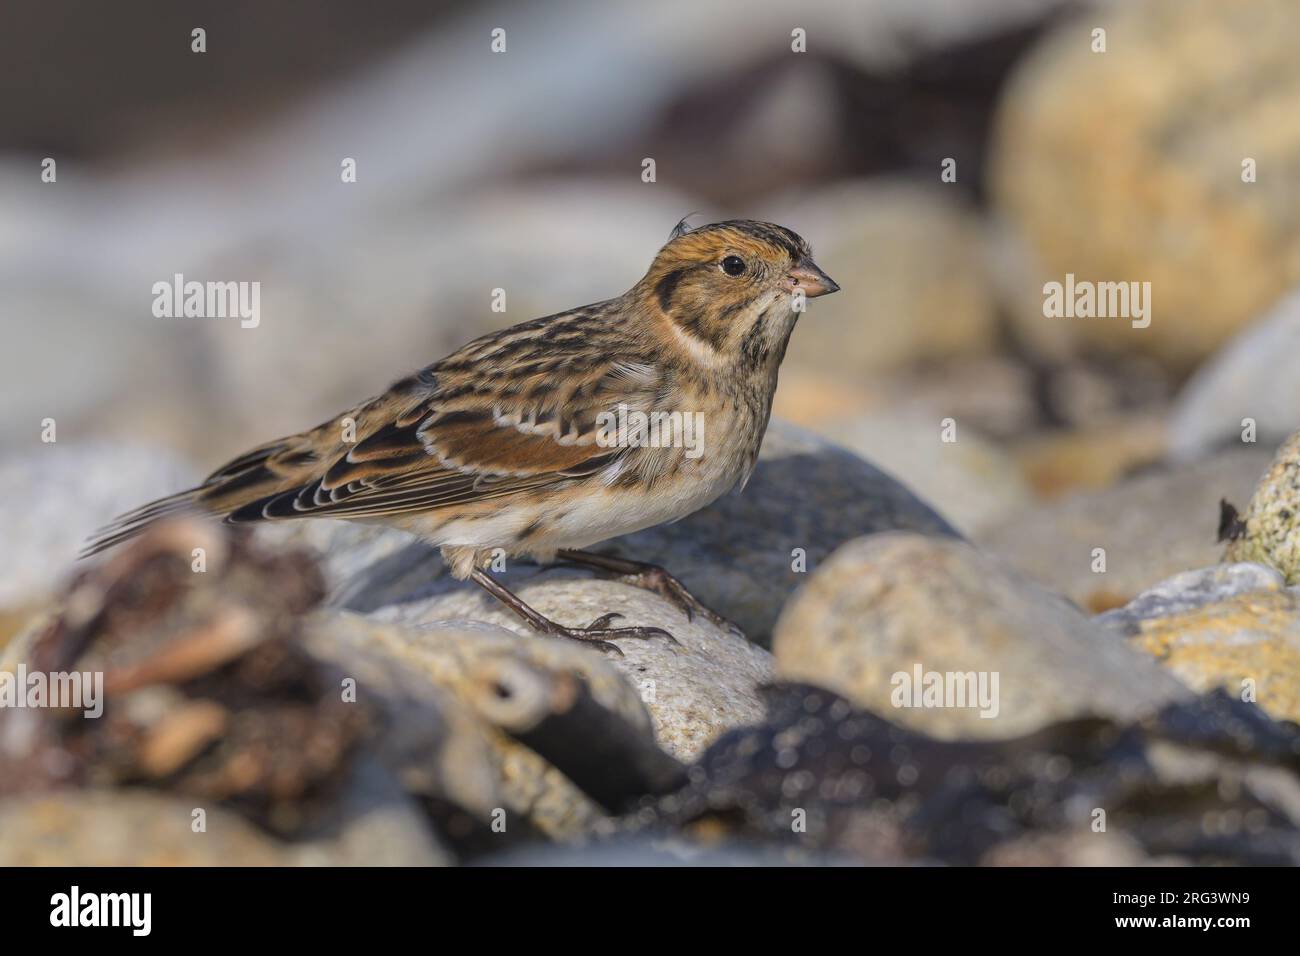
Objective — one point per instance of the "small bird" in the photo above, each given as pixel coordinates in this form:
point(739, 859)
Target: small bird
point(511, 442)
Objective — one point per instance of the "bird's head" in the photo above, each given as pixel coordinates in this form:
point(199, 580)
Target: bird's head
point(736, 288)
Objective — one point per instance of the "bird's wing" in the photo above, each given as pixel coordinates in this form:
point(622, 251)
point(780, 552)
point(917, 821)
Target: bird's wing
point(474, 436)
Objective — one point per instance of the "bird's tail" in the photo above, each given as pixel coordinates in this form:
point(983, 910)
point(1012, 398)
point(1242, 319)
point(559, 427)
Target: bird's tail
point(135, 521)
point(236, 483)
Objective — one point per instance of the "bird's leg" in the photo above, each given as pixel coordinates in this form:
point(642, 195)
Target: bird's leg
point(653, 578)
point(594, 633)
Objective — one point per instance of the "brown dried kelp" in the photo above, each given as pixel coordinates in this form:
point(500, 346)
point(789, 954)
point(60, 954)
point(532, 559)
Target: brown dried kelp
point(206, 690)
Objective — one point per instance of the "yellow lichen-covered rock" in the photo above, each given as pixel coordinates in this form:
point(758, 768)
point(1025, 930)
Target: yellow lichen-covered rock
point(1247, 643)
point(1129, 165)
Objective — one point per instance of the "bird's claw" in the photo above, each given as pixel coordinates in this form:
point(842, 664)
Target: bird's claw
point(595, 633)
point(664, 584)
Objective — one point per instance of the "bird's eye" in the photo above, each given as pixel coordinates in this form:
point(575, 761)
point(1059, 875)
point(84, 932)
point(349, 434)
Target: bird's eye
point(733, 266)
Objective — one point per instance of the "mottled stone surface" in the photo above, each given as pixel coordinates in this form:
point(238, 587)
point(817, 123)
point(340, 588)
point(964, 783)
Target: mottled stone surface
point(885, 604)
point(693, 692)
point(1272, 519)
point(1153, 525)
point(1127, 166)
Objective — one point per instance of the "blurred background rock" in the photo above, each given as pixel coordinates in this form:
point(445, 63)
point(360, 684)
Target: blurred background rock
point(522, 171)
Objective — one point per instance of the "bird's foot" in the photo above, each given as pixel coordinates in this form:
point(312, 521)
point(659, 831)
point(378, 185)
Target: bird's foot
point(655, 579)
point(598, 632)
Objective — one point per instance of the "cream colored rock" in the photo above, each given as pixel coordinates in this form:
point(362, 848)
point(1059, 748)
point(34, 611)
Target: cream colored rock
point(890, 604)
point(1127, 166)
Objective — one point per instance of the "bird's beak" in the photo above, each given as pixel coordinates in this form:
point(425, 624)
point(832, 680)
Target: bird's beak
point(805, 275)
